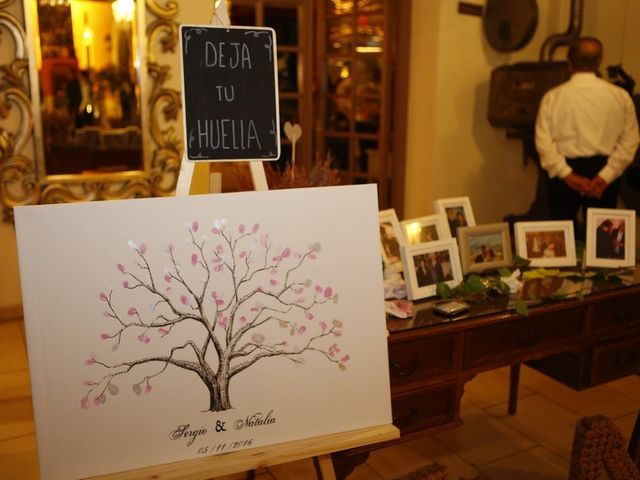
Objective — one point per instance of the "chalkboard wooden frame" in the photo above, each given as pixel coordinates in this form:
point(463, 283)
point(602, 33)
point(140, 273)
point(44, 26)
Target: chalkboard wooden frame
point(230, 93)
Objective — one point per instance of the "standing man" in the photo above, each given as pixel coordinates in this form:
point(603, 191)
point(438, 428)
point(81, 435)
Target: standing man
point(586, 135)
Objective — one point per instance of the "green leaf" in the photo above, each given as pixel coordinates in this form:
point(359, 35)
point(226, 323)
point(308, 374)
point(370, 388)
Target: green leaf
point(579, 295)
point(501, 287)
point(521, 307)
point(475, 284)
point(531, 274)
point(504, 272)
point(443, 290)
point(519, 262)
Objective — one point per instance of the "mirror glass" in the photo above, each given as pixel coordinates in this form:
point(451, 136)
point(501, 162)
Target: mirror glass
point(88, 64)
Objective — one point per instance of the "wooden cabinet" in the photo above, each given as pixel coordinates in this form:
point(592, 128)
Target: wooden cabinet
point(417, 360)
point(506, 342)
point(579, 342)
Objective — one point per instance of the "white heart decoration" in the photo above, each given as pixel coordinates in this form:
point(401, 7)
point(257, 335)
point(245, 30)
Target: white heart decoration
point(292, 131)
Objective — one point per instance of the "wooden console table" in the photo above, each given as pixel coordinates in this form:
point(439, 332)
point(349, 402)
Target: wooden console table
point(580, 342)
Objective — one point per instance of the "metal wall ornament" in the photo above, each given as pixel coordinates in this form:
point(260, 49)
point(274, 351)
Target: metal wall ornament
point(23, 179)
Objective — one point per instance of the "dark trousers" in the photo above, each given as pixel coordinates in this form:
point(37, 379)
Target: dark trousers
point(566, 202)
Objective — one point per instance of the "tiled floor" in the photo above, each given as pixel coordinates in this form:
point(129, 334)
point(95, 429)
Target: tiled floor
point(534, 444)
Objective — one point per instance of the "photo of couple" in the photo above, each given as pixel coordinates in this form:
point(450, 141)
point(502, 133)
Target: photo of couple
point(433, 268)
point(547, 244)
point(610, 238)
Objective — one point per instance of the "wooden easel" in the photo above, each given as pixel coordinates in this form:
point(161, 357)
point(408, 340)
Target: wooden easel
point(318, 448)
point(245, 460)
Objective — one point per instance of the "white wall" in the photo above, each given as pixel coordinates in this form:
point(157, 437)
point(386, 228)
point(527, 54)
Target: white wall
point(451, 148)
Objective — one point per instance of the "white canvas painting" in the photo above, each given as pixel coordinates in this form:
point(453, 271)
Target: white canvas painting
point(171, 328)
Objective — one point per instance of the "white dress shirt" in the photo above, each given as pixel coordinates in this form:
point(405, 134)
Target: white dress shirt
point(583, 117)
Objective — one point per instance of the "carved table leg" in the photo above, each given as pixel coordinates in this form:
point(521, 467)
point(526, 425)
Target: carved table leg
point(634, 442)
point(514, 381)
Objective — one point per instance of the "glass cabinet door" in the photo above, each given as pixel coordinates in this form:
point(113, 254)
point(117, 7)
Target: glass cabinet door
point(354, 105)
point(292, 20)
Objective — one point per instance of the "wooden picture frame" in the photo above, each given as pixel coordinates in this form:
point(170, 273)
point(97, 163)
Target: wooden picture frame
point(441, 264)
point(611, 238)
point(456, 211)
point(484, 247)
point(391, 240)
point(425, 229)
point(546, 244)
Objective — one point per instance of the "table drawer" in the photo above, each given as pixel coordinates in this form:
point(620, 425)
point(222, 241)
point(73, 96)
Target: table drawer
point(423, 358)
point(615, 360)
point(616, 317)
point(507, 340)
point(427, 408)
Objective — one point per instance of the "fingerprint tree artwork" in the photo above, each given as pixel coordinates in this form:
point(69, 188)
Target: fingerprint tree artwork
point(237, 289)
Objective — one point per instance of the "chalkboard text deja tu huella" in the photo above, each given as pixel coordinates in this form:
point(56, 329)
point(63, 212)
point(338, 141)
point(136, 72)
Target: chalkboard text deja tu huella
point(227, 133)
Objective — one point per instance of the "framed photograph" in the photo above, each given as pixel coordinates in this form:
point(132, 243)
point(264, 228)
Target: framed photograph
point(484, 247)
point(391, 238)
point(546, 244)
point(457, 212)
point(611, 238)
point(425, 229)
point(427, 264)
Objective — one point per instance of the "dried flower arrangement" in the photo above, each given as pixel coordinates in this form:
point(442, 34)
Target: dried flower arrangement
point(320, 175)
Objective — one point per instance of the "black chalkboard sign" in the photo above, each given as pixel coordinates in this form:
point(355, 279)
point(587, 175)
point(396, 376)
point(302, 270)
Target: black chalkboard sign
point(230, 93)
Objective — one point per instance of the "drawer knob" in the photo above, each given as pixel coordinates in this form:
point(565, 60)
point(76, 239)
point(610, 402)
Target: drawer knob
point(528, 339)
point(628, 362)
point(408, 420)
point(625, 319)
point(396, 371)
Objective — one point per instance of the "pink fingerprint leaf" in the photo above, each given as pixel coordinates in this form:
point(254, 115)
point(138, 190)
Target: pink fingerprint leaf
point(163, 332)
point(143, 248)
point(120, 267)
point(328, 293)
point(105, 336)
point(132, 311)
point(241, 228)
point(194, 226)
point(194, 259)
point(302, 329)
point(84, 403)
point(273, 282)
point(103, 297)
point(255, 228)
point(345, 358)
point(147, 389)
point(184, 300)
point(144, 339)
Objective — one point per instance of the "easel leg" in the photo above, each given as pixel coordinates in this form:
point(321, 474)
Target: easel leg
point(251, 475)
point(324, 467)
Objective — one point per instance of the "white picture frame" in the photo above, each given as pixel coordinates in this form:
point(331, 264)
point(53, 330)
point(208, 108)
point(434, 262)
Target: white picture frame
point(446, 267)
point(546, 244)
point(426, 229)
point(391, 240)
point(603, 251)
point(456, 211)
point(484, 247)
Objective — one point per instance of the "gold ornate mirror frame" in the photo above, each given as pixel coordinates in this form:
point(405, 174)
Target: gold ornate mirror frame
point(22, 175)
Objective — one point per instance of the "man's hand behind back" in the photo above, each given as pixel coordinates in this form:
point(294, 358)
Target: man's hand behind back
point(598, 186)
point(580, 184)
